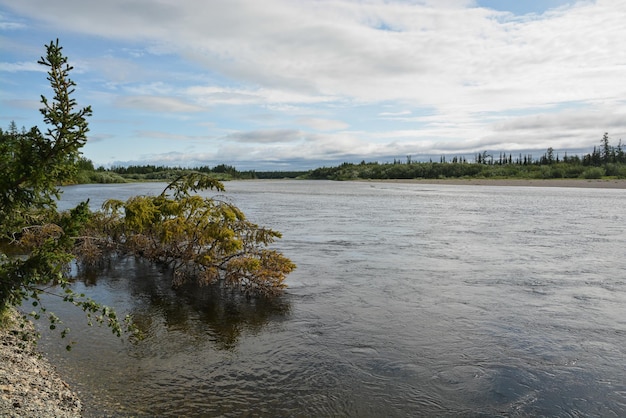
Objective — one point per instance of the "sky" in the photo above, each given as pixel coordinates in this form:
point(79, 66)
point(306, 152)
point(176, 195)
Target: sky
point(300, 84)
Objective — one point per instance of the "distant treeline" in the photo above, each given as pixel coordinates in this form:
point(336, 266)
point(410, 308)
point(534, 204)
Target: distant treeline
point(605, 160)
point(121, 174)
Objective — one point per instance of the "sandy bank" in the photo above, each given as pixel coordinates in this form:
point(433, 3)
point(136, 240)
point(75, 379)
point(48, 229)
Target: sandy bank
point(606, 184)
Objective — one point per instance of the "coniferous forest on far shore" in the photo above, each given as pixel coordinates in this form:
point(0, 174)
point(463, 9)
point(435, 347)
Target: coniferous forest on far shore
point(604, 161)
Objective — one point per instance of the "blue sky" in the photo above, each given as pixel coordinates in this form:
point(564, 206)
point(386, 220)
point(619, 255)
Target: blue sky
point(298, 84)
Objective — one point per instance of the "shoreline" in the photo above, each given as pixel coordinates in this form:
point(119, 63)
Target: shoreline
point(30, 386)
point(572, 183)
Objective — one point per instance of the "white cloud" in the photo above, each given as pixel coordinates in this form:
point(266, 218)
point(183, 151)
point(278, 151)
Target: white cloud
point(11, 26)
point(13, 67)
point(157, 104)
point(438, 75)
point(23, 103)
point(118, 70)
point(8, 25)
point(216, 95)
point(265, 136)
point(444, 52)
point(168, 136)
point(395, 115)
point(321, 124)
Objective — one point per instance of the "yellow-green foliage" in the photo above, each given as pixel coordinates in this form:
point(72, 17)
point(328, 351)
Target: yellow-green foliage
point(204, 240)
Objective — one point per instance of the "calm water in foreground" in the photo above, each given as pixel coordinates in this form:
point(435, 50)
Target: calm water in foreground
point(408, 300)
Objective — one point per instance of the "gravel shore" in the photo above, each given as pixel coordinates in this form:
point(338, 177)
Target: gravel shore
point(29, 385)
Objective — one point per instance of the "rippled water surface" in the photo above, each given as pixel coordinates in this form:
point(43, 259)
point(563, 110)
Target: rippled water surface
point(408, 300)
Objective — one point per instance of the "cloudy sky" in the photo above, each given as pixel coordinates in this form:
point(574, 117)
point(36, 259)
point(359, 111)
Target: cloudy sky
point(297, 84)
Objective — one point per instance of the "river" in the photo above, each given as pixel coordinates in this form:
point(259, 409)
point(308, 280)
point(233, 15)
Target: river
point(408, 300)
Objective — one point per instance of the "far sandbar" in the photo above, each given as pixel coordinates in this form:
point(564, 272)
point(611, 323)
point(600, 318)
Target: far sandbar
point(582, 183)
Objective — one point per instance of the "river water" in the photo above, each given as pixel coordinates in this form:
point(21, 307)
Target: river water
point(408, 300)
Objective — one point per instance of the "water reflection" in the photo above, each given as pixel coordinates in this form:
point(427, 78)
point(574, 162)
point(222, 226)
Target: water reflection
point(208, 313)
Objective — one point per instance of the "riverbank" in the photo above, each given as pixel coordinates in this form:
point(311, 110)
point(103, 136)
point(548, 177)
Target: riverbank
point(581, 183)
point(29, 385)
